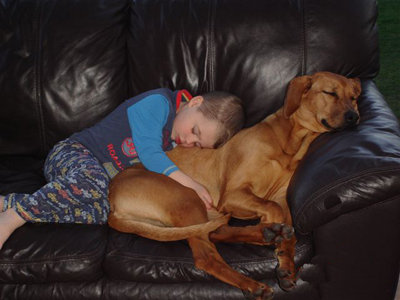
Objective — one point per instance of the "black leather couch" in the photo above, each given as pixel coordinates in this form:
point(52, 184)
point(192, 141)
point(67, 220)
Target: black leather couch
point(65, 64)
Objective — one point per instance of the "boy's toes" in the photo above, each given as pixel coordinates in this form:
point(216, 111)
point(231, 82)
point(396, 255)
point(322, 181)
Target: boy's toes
point(1, 202)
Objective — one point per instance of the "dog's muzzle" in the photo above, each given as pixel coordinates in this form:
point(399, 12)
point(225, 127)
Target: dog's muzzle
point(351, 118)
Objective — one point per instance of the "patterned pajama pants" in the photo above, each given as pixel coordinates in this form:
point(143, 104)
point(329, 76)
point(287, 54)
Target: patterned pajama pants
point(76, 191)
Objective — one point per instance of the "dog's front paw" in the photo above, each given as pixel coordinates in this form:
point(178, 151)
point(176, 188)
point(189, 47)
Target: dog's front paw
point(287, 232)
point(278, 232)
point(287, 281)
point(287, 276)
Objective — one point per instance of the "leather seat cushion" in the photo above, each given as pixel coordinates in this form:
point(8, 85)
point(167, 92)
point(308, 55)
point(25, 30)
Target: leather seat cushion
point(133, 258)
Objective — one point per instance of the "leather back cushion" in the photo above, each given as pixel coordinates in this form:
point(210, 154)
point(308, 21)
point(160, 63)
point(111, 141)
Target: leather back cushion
point(62, 68)
point(65, 64)
point(251, 48)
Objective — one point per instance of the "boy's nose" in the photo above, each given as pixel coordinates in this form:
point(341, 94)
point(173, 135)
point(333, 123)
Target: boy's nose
point(191, 139)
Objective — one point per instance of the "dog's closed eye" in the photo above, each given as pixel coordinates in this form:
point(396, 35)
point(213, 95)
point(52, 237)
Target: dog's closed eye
point(330, 93)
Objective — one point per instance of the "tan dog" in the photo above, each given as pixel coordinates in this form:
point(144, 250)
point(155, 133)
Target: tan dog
point(247, 178)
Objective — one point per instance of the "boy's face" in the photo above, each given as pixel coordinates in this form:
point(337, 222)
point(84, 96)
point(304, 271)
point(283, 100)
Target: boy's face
point(191, 128)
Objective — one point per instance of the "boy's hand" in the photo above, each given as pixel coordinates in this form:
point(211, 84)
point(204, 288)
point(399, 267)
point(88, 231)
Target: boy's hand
point(187, 181)
point(203, 194)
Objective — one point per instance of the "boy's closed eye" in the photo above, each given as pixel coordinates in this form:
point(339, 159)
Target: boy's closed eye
point(196, 131)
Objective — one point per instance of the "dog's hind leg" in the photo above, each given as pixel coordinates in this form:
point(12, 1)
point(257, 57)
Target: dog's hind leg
point(258, 234)
point(243, 204)
point(274, 228)
point(207, 258)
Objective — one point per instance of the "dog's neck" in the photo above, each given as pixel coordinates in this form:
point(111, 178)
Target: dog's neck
point(300, 138)
point(296, 139)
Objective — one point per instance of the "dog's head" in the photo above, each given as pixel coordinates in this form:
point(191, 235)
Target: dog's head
point(323, 101)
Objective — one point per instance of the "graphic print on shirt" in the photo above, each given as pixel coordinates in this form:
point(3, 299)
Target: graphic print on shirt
point(113, 154)
point(128, 147)
point(110, 169)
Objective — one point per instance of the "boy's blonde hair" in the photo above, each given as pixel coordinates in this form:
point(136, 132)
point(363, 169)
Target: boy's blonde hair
point(227, 110)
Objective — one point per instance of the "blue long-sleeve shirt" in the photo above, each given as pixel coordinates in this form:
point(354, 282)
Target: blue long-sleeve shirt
point(147, 119)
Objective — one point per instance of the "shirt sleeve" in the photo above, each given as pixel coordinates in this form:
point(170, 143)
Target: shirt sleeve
point(147, 119)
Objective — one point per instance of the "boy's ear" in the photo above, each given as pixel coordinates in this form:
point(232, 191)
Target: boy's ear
point(195, 101)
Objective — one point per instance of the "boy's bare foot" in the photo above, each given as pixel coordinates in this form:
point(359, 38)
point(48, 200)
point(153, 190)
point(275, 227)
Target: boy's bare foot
point(9, 221)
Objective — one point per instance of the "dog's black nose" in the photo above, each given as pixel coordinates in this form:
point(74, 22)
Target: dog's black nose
point(351, 117)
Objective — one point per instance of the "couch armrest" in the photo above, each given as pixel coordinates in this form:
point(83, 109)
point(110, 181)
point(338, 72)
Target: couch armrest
point(349, 170)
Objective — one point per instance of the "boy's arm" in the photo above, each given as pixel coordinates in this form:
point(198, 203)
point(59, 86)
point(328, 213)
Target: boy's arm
point(187, 181)
point(147, 119)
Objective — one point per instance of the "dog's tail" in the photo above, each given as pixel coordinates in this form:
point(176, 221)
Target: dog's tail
point(165, 234)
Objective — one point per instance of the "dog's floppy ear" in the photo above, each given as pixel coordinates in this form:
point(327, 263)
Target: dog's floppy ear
point(357, 86)
point(294, 92)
